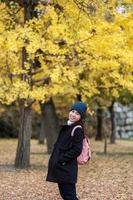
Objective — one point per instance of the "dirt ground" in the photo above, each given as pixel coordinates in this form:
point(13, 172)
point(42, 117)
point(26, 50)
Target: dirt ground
point(105, 177)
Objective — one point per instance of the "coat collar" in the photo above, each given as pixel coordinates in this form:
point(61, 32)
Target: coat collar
point(72, 125)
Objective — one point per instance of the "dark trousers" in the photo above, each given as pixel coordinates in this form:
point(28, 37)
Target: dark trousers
point(67, 191)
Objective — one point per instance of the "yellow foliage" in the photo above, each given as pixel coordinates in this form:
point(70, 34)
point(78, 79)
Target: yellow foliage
point(78, 51)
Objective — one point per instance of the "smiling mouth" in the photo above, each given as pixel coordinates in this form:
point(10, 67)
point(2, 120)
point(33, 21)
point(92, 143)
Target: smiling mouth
point(72, 118)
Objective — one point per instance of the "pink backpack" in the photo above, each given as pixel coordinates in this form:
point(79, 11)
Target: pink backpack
point(86, 151)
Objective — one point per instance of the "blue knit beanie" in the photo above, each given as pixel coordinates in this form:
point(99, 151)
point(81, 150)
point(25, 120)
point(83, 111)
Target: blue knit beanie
point(80, 107)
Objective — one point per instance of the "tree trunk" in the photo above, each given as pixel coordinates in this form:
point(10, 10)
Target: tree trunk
point(42, 134)
point(51, 124)
point(23, 149)
point(113, 124)
point(99, 135)
point(105, 143)
point(22, 159)
point(79, 97)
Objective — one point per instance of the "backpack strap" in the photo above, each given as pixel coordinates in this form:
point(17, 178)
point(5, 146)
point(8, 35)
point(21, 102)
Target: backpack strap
point(78, 126)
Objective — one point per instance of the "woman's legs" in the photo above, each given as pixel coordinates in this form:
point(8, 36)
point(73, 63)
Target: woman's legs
point(68, 191)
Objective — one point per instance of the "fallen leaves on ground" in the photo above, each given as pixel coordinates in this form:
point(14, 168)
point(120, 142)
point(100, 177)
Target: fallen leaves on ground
point(105, 177)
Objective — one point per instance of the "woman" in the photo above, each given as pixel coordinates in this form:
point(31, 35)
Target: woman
point(63, 167)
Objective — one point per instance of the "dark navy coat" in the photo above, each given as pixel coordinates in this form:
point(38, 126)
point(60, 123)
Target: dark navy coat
point(66, 150)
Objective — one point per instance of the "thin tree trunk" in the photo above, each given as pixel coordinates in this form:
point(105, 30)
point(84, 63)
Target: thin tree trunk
point(99, 135)
point(105, 143)
point(42, 134)
point(51, 123)
point(113, 124)
point(23, 148)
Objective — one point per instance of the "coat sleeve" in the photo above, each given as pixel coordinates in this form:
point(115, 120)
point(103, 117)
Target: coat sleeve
point(77, 144)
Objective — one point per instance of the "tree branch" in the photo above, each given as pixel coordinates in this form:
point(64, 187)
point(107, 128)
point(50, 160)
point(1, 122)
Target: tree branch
point(36, 72)
point(45, 80)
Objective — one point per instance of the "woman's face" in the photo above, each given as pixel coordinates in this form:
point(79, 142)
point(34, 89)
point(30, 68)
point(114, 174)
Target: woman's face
point(74, 116)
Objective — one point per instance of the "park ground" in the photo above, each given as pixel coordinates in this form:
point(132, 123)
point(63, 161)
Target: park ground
point(105, 177)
